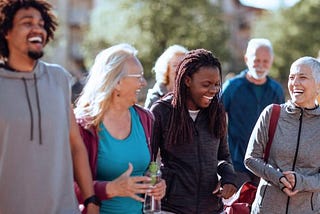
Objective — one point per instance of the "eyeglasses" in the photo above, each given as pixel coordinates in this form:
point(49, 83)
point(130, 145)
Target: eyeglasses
point(140, 77)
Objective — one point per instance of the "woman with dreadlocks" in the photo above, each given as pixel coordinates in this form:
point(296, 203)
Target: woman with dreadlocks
point(190, 131)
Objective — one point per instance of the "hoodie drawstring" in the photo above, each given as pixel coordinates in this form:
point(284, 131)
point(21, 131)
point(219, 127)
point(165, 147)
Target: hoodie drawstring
point(39, 109)
point(30, 108)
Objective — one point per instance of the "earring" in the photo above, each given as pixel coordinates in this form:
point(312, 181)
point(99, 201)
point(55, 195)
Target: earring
point(117, 93)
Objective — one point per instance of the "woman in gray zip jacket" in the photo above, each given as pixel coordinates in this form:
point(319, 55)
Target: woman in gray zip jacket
point(290, 181)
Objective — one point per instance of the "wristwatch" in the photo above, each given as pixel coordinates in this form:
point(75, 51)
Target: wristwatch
point(92, 199)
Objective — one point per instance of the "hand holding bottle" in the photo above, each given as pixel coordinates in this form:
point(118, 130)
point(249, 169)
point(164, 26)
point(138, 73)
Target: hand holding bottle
point(152, 203)
point(158, 191)
point(128, 186)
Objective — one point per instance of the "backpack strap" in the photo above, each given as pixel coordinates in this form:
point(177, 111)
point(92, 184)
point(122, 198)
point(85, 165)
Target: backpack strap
point(272, 128)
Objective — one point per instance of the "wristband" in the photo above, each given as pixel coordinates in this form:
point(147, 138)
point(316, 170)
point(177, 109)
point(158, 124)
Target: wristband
point(92, 199)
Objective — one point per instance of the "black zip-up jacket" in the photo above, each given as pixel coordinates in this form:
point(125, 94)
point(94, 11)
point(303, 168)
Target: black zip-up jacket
point(191, 168)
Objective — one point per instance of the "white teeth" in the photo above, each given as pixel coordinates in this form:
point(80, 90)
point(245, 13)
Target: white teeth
point(209, 98)
point(297, 91)
point(35, 39)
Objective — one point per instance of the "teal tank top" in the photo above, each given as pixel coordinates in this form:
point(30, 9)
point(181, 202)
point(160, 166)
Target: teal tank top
point(113, 158)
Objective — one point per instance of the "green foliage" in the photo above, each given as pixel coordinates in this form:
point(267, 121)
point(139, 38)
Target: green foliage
point(153, 25)
point(294, 33)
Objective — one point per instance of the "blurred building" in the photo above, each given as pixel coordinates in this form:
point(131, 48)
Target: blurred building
point(239, 19)
point(74, 19)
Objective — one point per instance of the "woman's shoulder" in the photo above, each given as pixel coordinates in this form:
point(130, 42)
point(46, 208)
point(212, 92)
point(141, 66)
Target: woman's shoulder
point(84, 126)
point(163, 105)
point(143, 111)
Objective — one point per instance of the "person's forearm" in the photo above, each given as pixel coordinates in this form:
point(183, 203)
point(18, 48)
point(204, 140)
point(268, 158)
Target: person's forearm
point(81, 168)
point(82, 172)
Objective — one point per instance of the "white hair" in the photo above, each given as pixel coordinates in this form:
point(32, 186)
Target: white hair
point(108, 68)
point(162, 63)
point(256, 43)
point(312, 63)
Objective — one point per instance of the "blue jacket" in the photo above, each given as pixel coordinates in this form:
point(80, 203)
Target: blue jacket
point(243, 108)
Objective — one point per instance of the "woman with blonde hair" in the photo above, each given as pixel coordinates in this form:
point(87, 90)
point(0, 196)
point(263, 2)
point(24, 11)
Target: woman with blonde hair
point(116, 131)
point(165, 70)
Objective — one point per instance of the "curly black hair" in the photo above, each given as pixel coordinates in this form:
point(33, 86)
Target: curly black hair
point(9, 8)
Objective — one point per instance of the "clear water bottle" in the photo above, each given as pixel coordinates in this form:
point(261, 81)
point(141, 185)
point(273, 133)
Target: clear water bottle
point(151, 205)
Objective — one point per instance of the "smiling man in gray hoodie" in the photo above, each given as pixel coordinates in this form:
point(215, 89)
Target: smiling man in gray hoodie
point(41, 150)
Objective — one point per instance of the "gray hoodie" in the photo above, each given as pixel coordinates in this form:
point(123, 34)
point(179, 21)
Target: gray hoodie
point(36, 174)
point(295, 147)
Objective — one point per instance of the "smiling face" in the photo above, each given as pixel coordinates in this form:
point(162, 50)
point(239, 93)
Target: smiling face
point(202, 87)
point(133, 82)
point(302, 86)
point(259, 62)
point(27, 36)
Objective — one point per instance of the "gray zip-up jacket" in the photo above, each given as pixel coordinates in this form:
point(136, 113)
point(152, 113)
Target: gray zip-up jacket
point(295, 147)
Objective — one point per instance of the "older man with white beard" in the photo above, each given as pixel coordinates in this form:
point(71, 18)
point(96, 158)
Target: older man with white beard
point(244, 97)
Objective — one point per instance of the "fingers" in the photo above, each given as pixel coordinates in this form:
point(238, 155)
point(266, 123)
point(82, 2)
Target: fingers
point(135, 179)
point(228, 190)
point(287, 172)
point(159, 190)
point(285, 182)
point(217, 189)
point(141, 179)
point(142, 187)
point(290, 177)
point(289, 181)
point(127, 186)
point(136, 197)
point(289, 192)
point(129, 171)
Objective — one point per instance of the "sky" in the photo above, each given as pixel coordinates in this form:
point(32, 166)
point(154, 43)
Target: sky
point(269, 4)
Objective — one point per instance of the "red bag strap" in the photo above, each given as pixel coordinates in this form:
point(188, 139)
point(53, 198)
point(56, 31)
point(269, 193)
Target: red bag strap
point(272, 127)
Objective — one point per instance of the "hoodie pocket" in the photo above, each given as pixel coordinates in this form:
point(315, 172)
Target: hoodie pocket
point(170, 181)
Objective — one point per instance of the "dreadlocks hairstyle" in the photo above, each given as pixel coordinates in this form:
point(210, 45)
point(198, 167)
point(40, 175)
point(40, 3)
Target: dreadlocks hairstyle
point(191, 63)
point(8, 9)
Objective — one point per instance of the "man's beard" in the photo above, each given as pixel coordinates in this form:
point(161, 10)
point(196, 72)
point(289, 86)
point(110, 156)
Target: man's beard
point(258, 75)
point(35, 55)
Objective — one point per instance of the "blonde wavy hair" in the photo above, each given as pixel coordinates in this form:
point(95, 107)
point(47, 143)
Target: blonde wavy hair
point(107, 70)
point(162, 64)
